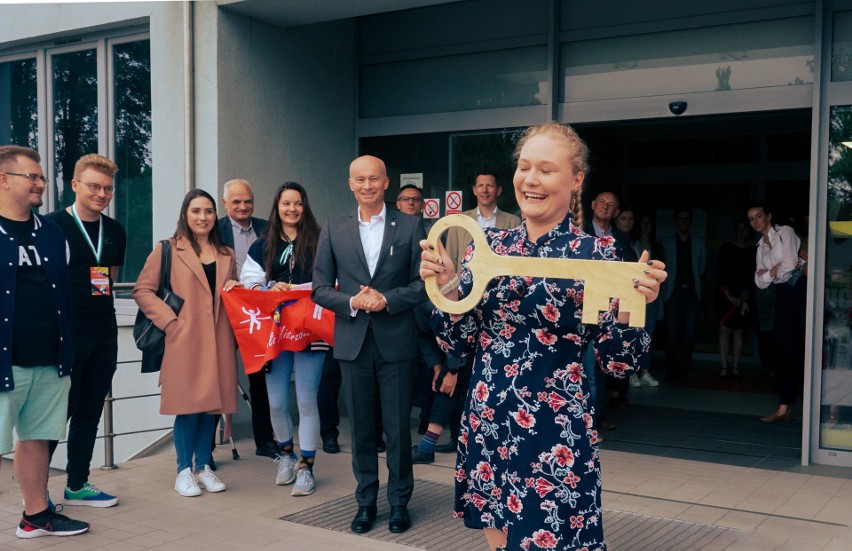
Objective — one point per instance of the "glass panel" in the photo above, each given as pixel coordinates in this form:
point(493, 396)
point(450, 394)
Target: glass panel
point(18, 103)
point(836, 403)
point(133, 198)
point(731, 57)
point(506, 78)
point(491, 151)
point(841, 47)
point(75, 117)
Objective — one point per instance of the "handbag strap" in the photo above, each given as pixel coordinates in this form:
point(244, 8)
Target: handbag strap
point(166, 266)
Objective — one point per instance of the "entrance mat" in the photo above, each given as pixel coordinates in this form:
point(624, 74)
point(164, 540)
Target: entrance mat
point(433, 528)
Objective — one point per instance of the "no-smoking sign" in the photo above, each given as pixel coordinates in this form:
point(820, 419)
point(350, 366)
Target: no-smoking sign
point(454, 202)
point(431, 208)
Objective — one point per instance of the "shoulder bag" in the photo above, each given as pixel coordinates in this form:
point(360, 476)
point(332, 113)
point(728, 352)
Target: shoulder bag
point(150, 339)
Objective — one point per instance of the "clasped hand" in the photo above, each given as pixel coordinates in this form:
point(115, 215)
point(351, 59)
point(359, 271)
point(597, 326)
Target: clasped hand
point(369, 300)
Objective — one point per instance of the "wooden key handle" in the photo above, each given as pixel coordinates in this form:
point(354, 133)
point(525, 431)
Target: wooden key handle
point(603, 279)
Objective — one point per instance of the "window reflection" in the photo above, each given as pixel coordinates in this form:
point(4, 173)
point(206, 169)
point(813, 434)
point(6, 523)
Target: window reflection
point(75, 117)
point(730, 57)
point(841, 47)
point(133, 197)
point(18, 103)
point(836, 403)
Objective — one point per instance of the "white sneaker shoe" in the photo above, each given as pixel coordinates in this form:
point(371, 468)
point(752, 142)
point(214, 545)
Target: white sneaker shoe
point(186, 484)
point(649, 379)
point(209, 481)
point(634, 381)
point(304, 485)
point(287, 467)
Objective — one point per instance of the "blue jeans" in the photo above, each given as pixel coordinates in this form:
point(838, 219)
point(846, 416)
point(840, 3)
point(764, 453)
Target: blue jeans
point(308, 367)
point(193, 435)
point(597, 384)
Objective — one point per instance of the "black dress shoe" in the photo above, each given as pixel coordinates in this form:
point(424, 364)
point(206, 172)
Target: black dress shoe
point(330, 445)
point(270, 449)
point(420, 458)
point(381, 447)
point(363, 521)
point(450, 447)
point(399, 521)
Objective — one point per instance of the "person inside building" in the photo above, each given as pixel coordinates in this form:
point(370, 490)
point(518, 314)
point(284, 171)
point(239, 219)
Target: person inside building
point(735, 269)
point(198, 377)
point(779, 266)
point(97, 244)
point(528, 416)
point(284, 257)
point(37, 341)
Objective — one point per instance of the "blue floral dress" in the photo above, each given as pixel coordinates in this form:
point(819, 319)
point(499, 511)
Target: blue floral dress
point(528, 454)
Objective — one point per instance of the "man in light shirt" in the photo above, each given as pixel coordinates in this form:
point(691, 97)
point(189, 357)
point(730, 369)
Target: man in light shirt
point(374, 256)
point(486, 190)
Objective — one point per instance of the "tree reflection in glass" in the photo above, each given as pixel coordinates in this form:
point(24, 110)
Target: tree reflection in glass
point(18, 103)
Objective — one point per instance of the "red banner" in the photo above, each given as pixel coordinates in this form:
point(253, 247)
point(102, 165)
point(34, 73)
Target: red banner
point(269, 322)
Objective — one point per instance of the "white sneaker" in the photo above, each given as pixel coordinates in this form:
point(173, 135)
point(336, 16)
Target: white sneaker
point(287, 467)
point(649, 379)
point(209, 481)
point(304, 485)
point(634, 381)
point(186, 484)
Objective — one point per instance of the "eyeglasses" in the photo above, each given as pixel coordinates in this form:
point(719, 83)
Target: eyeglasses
point(96, 188)
point(32, 177)
point(410, 199)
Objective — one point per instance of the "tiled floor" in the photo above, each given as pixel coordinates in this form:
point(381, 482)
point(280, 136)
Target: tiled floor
point(771, 509)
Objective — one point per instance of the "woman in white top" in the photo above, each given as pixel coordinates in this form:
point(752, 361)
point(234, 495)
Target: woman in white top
point(778, 264)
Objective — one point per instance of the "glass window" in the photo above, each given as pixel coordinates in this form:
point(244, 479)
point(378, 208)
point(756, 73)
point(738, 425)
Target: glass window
point(841, 47)
point(505, 78)
point(18, 103)
point(836, 402)
point(75, 117)
point(133, 197)
point(730, 57)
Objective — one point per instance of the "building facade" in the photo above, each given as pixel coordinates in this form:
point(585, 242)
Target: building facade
point(702, 103)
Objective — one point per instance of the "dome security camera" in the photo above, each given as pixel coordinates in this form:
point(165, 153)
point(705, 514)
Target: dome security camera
point(677, 107)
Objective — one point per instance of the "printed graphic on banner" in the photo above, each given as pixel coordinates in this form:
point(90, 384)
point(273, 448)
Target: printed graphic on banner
point(431, 208)
point(414, 179)
point(266, 323)
point(454, 202)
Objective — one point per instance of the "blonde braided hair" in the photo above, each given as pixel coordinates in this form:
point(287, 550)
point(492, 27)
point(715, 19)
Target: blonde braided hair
point(579, 159)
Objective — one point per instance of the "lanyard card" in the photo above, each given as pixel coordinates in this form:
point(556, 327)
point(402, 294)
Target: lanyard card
point(99, 276)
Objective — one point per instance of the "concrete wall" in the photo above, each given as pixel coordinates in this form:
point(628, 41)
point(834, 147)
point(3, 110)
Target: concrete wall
point(286, 109)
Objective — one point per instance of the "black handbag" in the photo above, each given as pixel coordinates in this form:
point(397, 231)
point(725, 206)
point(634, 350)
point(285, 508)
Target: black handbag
point(150, 339)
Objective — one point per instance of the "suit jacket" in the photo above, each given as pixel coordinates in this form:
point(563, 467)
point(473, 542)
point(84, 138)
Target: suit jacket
point(199, 371)
point(623, 246)
point(458, 239)
point(699, 263)
point(226, 232)
point(341, 259)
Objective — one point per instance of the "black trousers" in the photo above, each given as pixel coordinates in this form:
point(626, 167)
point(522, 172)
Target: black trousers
point(261, 423)
point(365, 379)
point(329, 390)
point(790, 332)
point(91, 379)
point(681, 311)
point(447, 410)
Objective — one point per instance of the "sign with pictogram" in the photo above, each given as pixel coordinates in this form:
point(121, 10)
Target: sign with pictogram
point(454, 202)
point(413, 179)
point(431, 208)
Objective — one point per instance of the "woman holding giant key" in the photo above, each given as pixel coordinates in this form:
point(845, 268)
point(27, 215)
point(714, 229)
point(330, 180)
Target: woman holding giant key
point(528, 471)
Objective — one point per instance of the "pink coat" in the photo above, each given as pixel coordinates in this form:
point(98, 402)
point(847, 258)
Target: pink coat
point(199, 371)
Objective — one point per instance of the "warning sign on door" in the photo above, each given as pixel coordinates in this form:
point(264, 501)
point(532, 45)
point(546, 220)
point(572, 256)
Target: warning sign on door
point(431, 208)
point(454, 202)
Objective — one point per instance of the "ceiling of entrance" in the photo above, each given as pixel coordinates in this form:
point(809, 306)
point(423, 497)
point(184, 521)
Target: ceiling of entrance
point(292, 13)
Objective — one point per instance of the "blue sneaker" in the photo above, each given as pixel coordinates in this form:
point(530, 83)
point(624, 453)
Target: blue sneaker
point(90, 496)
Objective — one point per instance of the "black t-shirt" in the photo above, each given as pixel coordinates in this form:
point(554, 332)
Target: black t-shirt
point(94, 311)
point(35, 335)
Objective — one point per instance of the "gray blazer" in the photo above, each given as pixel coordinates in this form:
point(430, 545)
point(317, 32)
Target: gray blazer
point(341, 260)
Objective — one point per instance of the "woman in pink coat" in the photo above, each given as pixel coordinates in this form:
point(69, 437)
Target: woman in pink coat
point(198, 377)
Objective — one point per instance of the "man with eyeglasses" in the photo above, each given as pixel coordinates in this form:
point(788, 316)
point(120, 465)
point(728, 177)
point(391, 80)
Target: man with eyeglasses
point(97, 245)
point(36, 339)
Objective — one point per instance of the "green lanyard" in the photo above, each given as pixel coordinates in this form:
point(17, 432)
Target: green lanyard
point(96, 252)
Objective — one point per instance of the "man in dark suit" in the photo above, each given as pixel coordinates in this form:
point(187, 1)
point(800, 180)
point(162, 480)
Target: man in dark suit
point(238, 230)
point(374, 256)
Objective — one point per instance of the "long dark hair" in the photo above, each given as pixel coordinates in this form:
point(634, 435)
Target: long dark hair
point(183, 226)
point(307, 228)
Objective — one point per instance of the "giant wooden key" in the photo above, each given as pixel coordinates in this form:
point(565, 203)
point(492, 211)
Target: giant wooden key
point(604, 280)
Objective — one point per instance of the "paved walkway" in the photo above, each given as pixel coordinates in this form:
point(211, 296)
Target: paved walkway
point(769, 509)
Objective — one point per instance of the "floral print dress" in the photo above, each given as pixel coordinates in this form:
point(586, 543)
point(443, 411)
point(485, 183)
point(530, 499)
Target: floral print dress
point(528, 454)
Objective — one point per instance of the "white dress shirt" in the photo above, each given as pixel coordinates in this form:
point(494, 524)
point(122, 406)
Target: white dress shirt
point(484, 222)
point(782, 251)
point(371, 232)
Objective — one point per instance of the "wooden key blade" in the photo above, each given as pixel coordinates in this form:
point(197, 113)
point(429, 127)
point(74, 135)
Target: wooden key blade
point(603, 279)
